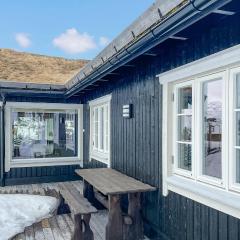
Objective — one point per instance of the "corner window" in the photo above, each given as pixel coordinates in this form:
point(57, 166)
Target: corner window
point(44, 134)
point(201, 139)
point(100, 129)
point(39, 136)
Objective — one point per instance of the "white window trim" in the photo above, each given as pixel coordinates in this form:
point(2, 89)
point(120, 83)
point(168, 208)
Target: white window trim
point(176, 169)
point(199, 115)
point(232, 136)
point(19, 163)
point(93, 154)
point(225, 200)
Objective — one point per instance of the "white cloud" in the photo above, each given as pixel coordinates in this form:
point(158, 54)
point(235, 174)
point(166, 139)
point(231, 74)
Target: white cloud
point(104, 41)
point(74, 42)
point(23, 40)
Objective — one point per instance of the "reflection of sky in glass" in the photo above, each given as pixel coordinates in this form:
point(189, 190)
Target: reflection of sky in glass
point(214, 91)
point(212, 128)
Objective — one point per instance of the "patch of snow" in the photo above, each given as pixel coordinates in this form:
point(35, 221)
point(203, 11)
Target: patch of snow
point(19, 211)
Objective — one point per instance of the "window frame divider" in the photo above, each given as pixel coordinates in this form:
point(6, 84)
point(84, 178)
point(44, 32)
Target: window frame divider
point(226, 61)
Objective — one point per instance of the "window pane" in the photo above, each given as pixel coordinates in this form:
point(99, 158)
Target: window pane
point(102, 128)
point(185, 156)
point(107, 128)
point(238, 166)
point(44, 134)
point(238, 129)
point(185, 128)
point(212, 128)
point(238, 89)
point(185, 100)
point(96, 128)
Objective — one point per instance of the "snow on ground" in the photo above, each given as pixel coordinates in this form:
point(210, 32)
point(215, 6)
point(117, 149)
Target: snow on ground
point(17, 211)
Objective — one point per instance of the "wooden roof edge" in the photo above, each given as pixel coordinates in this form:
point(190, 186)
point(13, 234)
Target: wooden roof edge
point(155, 14)
point(26, 85)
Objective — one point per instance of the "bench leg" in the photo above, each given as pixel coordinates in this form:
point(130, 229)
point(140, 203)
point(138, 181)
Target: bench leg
point(82, 230)
point(114, 228)
point(135, 231)
point(78, 230)
point(88, 233)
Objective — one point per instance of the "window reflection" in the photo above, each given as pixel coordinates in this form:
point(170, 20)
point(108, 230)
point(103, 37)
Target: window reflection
point(185, 156)
point(185, 129)
point(238, 166)
point(185, 100)
point(184, 125)
point(44, 134)
point(237, 128)
point(212, 129)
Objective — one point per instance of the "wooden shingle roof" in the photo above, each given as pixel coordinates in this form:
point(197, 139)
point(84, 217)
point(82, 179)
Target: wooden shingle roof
point(23, 67)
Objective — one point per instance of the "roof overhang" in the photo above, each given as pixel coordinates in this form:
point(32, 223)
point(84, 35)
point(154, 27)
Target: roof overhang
point(9, 88)
point(188, 14)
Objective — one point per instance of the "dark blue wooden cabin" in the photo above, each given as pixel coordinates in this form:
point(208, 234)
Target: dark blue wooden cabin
point(193, 32)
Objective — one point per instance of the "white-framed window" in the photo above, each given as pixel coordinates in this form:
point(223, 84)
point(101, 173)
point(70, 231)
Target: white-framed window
point(100, 129)
point(234, 131)
point(201, 131)
point(42, 134)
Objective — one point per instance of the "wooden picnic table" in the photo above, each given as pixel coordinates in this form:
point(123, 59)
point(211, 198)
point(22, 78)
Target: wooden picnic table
point(115, 184)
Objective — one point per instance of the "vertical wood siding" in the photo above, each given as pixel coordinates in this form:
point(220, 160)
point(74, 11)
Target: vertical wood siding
point(136, 142)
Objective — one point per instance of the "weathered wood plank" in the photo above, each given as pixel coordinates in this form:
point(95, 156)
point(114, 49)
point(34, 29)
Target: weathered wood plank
point(47, 231)
point(65, 229)
point(114, 228)
point(38, 231)
point(29, 233)
point(57, 233)
point(77, 203)
point(134, 230)
point(109, 181)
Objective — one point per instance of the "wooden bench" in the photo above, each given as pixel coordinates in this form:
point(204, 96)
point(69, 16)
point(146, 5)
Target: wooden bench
point(81, 209)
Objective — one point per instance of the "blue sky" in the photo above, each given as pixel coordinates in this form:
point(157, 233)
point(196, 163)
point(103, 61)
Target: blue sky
point(65, 28)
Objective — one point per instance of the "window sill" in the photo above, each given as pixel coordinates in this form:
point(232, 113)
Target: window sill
point(99, 158)
point(219, 199)
point(42, 162)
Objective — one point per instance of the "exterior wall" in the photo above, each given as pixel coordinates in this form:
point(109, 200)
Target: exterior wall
point(136, 143)
point(39, 174)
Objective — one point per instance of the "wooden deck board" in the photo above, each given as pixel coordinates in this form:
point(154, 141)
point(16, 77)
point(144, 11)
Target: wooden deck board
point(59, 227)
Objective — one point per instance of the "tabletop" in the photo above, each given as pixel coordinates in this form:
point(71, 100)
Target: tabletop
point(109, 181)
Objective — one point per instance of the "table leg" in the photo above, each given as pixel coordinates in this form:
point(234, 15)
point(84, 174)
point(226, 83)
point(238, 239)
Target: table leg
point(114, 228)
point(88, 191)
point(135, 231)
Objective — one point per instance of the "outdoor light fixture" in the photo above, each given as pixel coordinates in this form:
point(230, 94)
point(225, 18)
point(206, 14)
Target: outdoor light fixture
point(127, 111)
